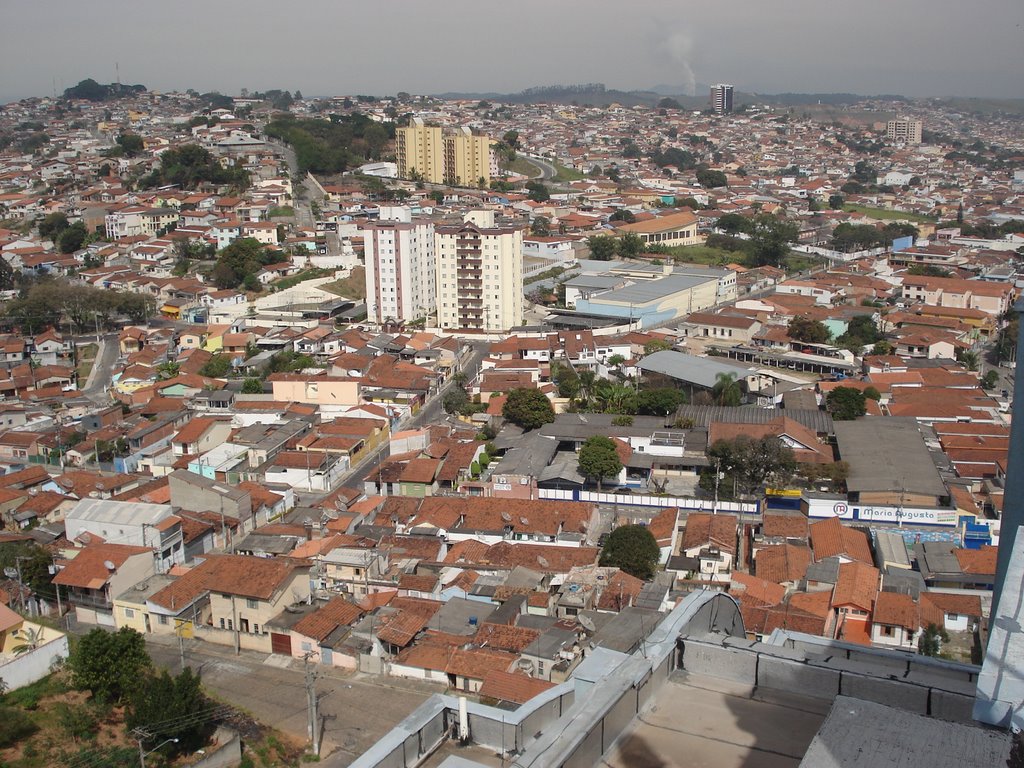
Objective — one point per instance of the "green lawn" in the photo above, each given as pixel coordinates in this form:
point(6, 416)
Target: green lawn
point(701, 254)
point(86, 358)
point(301, 277)
point(523, 167)
point(351, 287)
point(884, 214)
point(567, 174)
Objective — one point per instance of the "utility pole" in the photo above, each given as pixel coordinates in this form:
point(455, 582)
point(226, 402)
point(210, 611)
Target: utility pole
point(311, 677)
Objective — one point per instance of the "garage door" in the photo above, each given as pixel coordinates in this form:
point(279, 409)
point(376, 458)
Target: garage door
point(281, 643)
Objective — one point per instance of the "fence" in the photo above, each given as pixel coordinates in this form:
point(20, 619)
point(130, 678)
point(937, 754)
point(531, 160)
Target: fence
point(30, 666)
point(658, 502)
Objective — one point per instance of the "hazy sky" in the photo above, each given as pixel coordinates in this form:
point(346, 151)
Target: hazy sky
point(330, 47)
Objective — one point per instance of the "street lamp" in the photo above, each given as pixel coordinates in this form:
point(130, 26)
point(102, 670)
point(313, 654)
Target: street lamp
point(142, 755)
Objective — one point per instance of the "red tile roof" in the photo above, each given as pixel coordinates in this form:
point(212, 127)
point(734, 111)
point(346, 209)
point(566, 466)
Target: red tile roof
point(830, 538)
point(512, 686)
point(339, 612)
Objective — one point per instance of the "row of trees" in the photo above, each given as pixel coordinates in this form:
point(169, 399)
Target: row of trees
point(50, 303)
point(764, 239)
point(190, 166)
point(334, 145)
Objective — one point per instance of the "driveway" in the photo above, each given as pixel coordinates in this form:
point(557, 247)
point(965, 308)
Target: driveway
point(357, 709)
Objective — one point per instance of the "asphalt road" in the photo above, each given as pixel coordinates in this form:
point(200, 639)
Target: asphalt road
point(547, 170)
point(102, 369)
point(356, 709)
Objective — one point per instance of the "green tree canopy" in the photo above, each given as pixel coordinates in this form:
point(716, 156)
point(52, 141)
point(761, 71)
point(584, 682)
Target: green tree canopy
point(72, 238)
point(846, 403)
point(598, 459)
point(51, 226)
point(602, 247)
point(131, 143)
point(632, 548)
point(176, 702)
point(528, 408)
point(726, 390)
point(110, 664)
point(244, 257)
point(191, 165)
point(753, 462)
point(659, 402)
point(803, 328)
point(538, 191)
point(711, 179)
point(770, 238)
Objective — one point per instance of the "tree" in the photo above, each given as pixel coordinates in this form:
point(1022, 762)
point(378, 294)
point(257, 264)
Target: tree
point(871, 393)
point(52, 225)
point(109, 664)
point(711, 179)
point(770, 237)
point(624, 215)
point(537, 191)
point(656, 345)
point(659, 402)
point(131, 143)
point(176, 701)
point(630, 245)
point(802, 328)
point(929, 642)
point(541, 226)
point(566, 379)
point(252, 387)
point(217, 366)
point(846, 403)
point(990, 380)
point(72, 238)
point(733, 223)
point(752, 463)
point(602, 247)
point(835, 202)
point(632, 548)
point(861, 332)
point(968, 358)
point(726, 390)
point(455, 401)
point(528, 408)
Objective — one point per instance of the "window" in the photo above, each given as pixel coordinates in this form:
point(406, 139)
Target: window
point(162, 619)
point(250, 603)
point(230, 624)
point(129, 613)
point(255, 629)
point(222, 623)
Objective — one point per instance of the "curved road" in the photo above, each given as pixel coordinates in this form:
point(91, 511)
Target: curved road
point(547, 170)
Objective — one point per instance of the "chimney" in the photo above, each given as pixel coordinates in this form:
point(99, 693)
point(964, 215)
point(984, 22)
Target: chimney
point(308, 525)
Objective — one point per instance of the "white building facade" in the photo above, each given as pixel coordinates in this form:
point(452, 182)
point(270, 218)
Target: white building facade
point(400, 267)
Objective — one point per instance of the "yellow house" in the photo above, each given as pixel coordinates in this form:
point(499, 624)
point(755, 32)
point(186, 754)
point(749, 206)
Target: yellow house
point(215, 337)
point(671, 230)
point(27, 649)
point(228, 599)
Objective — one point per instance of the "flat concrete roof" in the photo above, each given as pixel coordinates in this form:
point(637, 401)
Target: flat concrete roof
point(863, 734)
point(705, 721)
point(887, 454)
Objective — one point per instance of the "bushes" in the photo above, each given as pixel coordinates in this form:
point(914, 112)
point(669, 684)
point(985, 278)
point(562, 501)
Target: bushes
point(15, 725)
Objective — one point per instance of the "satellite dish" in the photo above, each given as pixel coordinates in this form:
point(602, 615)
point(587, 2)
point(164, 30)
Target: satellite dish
point(109, 565)
point(506, 517)
point(524, 521)
point(543, 561)
point(586, 623)
point(11, 573)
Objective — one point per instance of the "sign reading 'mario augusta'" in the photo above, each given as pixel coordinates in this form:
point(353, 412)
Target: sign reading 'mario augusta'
point(825, 508)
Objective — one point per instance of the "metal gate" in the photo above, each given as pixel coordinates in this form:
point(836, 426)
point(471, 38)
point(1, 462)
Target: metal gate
point(281, 644)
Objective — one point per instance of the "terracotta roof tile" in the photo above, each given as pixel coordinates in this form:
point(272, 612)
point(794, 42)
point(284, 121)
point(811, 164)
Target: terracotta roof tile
point(512, 686)
point(339, 612)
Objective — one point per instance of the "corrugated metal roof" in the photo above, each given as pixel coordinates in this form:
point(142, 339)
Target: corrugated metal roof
point(703, 415)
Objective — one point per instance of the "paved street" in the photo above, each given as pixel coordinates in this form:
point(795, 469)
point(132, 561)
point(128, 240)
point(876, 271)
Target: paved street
point(357, 709)
point(102, 368)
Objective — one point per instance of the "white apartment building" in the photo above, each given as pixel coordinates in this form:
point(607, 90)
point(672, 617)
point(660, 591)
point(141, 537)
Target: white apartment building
point(137, 221)
point(479, 274)
point(400, 267)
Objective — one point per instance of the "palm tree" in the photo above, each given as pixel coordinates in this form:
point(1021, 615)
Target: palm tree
point(726, 390)
point(31, 639)
point(588, 380)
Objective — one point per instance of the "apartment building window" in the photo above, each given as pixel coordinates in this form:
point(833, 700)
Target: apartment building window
point(250, 603)
point(222, 623)
point(129, 613)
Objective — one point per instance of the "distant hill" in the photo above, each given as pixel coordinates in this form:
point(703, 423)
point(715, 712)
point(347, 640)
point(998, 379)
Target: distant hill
point(90, 90)
point(597, 94)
